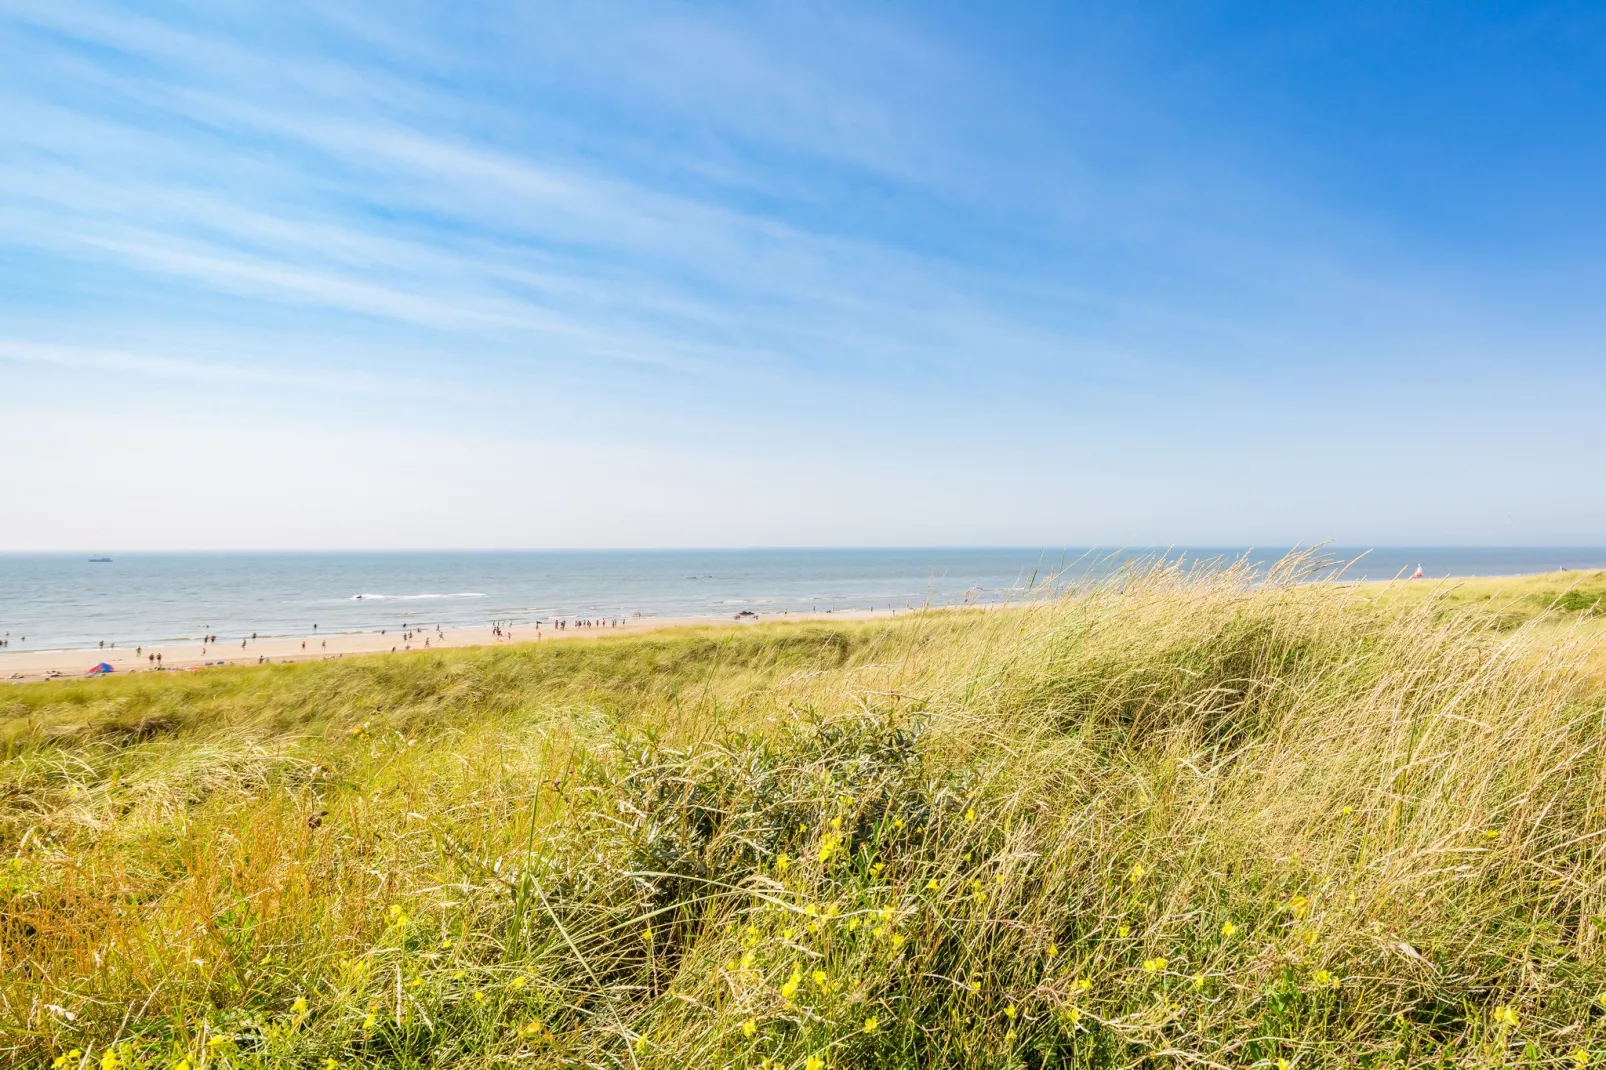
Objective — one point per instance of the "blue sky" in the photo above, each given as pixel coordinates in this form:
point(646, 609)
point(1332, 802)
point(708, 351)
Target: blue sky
point(346, 275)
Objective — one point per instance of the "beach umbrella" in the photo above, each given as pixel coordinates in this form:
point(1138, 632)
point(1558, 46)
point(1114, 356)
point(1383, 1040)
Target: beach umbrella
point(100, 669)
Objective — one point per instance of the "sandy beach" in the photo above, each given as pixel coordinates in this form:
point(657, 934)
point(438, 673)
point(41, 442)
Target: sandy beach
point(22, 666)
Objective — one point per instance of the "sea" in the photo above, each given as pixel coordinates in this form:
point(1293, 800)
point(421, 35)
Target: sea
point(59, 601)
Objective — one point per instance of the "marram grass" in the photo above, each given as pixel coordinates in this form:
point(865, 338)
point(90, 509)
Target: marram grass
point(1179, 819)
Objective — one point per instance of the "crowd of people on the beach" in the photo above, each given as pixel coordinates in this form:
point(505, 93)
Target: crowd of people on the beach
point(431, 636)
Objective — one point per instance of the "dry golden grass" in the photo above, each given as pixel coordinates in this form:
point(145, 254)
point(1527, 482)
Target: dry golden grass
point(1174, 819)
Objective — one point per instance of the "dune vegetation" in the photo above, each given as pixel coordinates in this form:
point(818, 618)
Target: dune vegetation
point(1175, 818)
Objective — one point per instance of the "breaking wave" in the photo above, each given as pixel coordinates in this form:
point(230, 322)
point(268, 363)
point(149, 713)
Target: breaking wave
point(412, 597)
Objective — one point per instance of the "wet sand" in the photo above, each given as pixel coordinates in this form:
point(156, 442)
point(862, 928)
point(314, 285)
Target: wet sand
point(20, 666)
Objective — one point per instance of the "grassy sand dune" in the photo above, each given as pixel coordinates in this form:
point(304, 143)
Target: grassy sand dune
point(1177, 819)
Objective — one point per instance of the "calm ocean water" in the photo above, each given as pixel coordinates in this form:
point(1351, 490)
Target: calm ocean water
point(63, 601)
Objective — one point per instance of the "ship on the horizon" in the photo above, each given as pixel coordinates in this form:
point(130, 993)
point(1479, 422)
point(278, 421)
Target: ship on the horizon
point(99, 560)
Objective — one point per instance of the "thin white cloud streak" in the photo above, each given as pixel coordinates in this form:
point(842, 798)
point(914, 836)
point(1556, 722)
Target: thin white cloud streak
point(234, 373)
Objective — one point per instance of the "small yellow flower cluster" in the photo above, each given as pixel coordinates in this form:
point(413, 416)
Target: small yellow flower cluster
point(67, 1059)
point(789, 988)
point(1300, 906)
point(1505, 1016)
point(1154, 965)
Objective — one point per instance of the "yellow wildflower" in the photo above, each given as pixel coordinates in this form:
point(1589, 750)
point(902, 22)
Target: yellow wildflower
point(479, 995)
point(931, 885)
point(897, 940)
point(1136, 873)
point(974, 986)
point(1083, 984)
point(1299, 905)
point(641, 1044)
point(871, 1024)
point(781, 862)
point(517, 982)
point(1228, 929)
point(67, 1059)
point(814, 1062)
point(1579, 1056)
point(819, 979)
point(1506, 1016)
point(1198, 980)
point(1010, 1012)
point(1322, 978)
point(970, 815)
point(749, 1028)
point(646, 934)
point(1284, 1064)
point(1123, 931)
point(1154, 965)
point(1009, 1037)
point(299, 1006)
point(897, 823)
